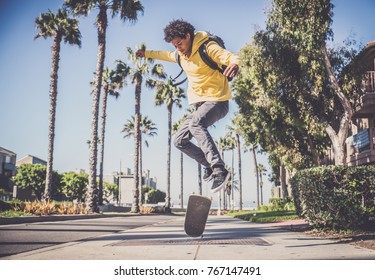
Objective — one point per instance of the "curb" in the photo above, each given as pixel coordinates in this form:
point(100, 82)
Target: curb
point(56, 218)
point(53, 218)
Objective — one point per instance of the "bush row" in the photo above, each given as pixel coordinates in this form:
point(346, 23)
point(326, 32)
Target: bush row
point(335, 197)
point(279, 204)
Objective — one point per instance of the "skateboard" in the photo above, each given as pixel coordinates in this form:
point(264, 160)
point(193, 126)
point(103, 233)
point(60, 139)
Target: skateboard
point(197, 214)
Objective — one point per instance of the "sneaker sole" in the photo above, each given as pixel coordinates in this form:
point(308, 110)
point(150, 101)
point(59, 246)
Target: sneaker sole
point(222, 185)
point(208, 178)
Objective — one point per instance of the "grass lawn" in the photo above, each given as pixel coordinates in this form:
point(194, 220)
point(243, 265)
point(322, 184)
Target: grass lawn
point(260, 216)
point(264, 216)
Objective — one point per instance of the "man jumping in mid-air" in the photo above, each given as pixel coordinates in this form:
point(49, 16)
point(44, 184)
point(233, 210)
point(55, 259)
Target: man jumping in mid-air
point(208, 91)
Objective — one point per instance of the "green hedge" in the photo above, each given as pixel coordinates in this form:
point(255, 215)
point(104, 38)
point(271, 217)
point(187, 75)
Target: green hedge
point(335, 197)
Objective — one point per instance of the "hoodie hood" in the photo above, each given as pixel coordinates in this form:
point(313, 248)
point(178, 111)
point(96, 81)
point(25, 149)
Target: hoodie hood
point(199, 38)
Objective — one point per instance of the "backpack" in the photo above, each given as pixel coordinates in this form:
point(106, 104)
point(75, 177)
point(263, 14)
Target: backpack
point(204, 56)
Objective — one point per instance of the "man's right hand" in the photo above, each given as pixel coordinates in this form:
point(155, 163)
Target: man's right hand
point(140, 53)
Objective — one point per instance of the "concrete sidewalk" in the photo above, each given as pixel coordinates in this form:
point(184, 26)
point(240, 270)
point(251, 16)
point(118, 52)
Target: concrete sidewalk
point(225, 238)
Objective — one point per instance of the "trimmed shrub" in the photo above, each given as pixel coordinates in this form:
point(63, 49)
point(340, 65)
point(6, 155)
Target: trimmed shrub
point(281, 204)
point(335, 197)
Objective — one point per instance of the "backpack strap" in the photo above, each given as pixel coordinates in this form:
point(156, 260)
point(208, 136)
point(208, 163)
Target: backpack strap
point(177, 57)
point(178, 60)
point(207, 59)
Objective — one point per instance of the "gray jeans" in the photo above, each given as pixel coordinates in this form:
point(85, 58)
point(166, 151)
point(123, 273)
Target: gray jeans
point(195, 125)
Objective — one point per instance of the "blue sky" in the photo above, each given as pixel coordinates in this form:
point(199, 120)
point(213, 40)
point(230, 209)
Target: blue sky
point(25, 74)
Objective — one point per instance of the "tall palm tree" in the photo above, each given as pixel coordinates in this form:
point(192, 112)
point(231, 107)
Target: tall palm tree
point(200, 183)
point(128, 11)
point(253, 148)
point(230, 146)
point(236, 129)
point(221, 144)
point(232, 184)
point(176, 126)
point(61, 28)
point(113, 81)
point(168, 94)
point(141, 67)
point(148, 128)
point(224, 144)
point(262, 171)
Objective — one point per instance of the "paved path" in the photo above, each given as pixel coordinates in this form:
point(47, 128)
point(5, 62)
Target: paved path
point(225, 238)
point(18, 235)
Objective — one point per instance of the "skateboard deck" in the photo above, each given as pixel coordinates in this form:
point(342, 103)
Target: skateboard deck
point(197, 214)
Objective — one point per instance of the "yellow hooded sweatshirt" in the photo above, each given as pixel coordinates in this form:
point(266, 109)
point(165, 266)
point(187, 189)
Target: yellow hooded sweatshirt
point(205, 84)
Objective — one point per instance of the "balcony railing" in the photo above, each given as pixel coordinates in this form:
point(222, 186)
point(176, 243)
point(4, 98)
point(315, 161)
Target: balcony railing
point(370, 81)
point(361, 148)
point(361, 140)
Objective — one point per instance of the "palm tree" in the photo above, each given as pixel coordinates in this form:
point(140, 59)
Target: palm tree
point(167, 93)
point(61, 28)
point(237, 130)
point(148, 128)
point(113, 80)
point(141, 67)
point(128, 11)
point(230, 146)
point(200, 187)
point(253, 148)
point(176, 126)
point(221, 145)
point(232, 184)
point(262, 171)
point(224, 144)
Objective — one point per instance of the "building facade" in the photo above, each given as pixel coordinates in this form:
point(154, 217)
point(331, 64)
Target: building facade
point(29, 159)
point(7, 169)
point(126, 183)
point(361, 144)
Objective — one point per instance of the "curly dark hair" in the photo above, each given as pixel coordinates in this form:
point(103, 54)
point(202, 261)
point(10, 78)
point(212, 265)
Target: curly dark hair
point(178, 29)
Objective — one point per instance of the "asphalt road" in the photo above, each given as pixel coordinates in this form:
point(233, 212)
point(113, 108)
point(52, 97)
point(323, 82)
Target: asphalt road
point(19, 238)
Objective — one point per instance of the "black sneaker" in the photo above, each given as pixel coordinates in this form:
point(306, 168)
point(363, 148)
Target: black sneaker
point(220, 180)
point(207, 174)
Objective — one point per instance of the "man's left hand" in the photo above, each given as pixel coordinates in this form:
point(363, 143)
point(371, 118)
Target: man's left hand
point(231, 71)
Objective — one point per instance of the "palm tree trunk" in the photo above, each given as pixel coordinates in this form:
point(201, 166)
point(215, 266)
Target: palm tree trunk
point(140, 169)
point(92, 192)
point(284, 188)
point(200, 178)
point(239, 168)
point(52, 114)
point(261, 188)
point(168, 196)
point(138, 89)
point(232, 183)
point(102, 138)
point(256, 173)
point(221, 199)
point(182, 179)
point(224, 200)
